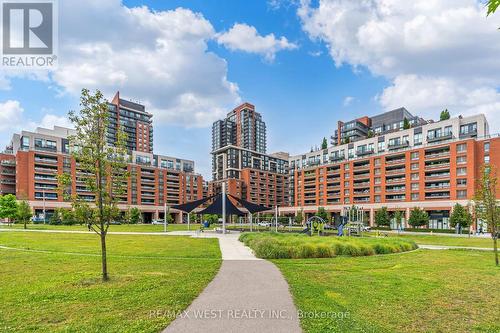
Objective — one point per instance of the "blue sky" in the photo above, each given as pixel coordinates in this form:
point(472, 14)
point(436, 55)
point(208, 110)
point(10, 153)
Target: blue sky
point(326, 61)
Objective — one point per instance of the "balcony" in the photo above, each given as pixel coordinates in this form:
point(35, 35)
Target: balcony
point(469, 134)
point(443, 137)
point(337, 158)
point(8, 162)
point(45, 160)
point(364, 152)
point(398, 145)
point(395, 171)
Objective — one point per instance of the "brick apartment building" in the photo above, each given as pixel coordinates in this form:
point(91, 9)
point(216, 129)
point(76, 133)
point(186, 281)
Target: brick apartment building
point(30, 164)
point(239, 159)
point(431, 165)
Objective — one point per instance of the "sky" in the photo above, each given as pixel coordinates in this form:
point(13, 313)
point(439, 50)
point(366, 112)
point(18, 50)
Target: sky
point(303, 64)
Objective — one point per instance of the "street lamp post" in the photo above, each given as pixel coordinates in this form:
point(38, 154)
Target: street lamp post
point(224, 208)
point(165, 213)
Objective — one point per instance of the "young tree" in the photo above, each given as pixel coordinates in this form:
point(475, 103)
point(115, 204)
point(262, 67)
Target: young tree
point(418, 217)
point(382, 217)
point(24, 213)
point(133, 216)
point(299, 218)
point(461, 217)
point(445, 115)
point(324, 144)
point(487, 208)
point(406, 123)
point(321, 213)
point(8, 207)
point(370, 134)
point(105, 165)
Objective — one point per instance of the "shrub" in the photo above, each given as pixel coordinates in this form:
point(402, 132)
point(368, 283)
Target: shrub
point(284, 246)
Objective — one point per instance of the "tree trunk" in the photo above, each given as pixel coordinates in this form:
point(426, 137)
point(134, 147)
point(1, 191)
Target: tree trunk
point(495, 249)
point(105, 276)
point(24, 224)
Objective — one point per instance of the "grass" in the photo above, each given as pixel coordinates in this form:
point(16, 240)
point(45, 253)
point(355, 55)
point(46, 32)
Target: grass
point(420, 291)
point(116, 228)
point(57, 291)
point(445, 240)
point(275, 246)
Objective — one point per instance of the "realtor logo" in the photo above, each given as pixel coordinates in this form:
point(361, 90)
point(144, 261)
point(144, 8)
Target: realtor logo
point(29, 30)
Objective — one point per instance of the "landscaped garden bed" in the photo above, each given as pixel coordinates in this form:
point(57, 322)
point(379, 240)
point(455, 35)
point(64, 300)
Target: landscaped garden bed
point(290, 246)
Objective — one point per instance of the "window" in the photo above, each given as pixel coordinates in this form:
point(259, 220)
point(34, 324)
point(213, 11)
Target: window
point(462, 182)
point(346, 184)
point(461, 194)
point(468, 129)
point(25, 142)
point(414, 166)
point(461, 159)
point(346, 192)
point(461, 171)
point(377, 189)
point(346, 166)
point(381, 146)
point(486, 147)
point(487, 159)
point(414, 196)
point(377, 198)
point(377, 172)
point(377, 161)
point(350, 152)
point(414, 186)
point(414, 176)
point(417, 139)
point(447, 130)
point(414, 155)
point(377, 180)
point(461, 147)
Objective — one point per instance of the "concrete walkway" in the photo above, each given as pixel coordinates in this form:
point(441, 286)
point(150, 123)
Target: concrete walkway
point(448, 247)
point(247, 295)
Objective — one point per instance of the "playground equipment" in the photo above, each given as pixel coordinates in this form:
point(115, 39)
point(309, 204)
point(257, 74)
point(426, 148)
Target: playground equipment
point(352, 220)
point(315, 224)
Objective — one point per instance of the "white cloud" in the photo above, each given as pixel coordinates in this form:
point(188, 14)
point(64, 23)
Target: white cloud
point(158, 57)
point(348, 101)
point(243, 37)
point(51, 120)
point(437, 53)
point(11, 114)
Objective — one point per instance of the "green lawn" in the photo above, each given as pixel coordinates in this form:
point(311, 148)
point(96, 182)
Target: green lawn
point(422, 291)
point(445, 240)
point(61, 290)
point(117, 228)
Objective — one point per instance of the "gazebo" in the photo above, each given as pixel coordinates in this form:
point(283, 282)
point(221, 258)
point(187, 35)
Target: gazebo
point(222, 205)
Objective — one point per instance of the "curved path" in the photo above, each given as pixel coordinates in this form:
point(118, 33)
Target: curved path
point(247, 295)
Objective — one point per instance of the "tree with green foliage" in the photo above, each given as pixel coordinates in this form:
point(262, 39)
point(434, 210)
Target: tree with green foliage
point(398, 218)
point(322, 214)
point(406, 123)
point(418, 217)
point(382, 217)
point(67, 216)
point(487, 208)
point(370, 134)
point(299, 217)
point(105, 165)
point(460, 217)
point(8, 207)
point(492, 6)
point(324, 144)
point(83, 213)
point(445, 115)
point(133, 215)
point(24, 213)
point(211, 218)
